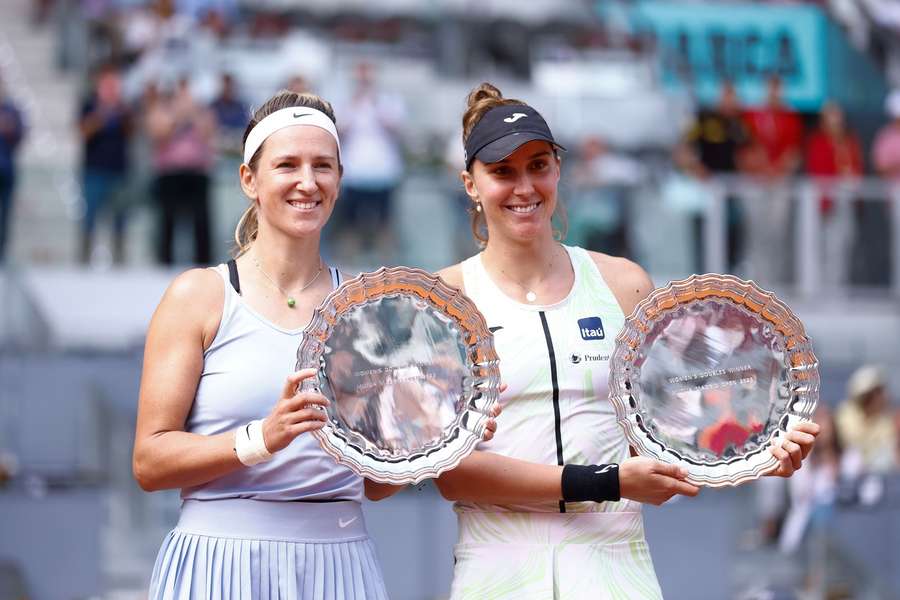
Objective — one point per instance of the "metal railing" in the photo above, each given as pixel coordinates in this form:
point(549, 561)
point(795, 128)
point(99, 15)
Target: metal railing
point(810, 237)
point(804, 236)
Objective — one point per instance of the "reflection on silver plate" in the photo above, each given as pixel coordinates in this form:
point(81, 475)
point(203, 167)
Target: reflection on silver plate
point(708, 373)
point(410, 369)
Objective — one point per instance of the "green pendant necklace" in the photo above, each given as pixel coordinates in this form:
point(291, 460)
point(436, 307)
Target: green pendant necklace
point(291, 302)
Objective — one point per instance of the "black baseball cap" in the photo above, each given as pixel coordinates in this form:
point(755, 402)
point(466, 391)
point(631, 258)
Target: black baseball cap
point(502, 130)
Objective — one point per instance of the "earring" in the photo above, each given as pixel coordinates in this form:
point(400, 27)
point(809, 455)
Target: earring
point(478, 207)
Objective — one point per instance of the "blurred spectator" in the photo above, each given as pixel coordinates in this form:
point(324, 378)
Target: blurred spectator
point(41, 11)
point(181, 131)
point(12, 130)
point(886, 150)
point(142, 29)
point(12, 580)
point(372, 157)
point(885, 15)
point(716, 144)
point(104, 35)
point(157, 39)
point(298, 84)
point(871, 258)
point(603, 180)
point(105, 127)
point(231, 114)
point(460, 204)
point(215, 23)
point(777, 135)
point(719, 135)
point(833, 151)
point(866, 425)
point(9, 466)
point(813, 490)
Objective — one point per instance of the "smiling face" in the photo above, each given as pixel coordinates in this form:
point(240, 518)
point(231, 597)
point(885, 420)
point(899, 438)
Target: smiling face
point(518, 194)
point(296, 180)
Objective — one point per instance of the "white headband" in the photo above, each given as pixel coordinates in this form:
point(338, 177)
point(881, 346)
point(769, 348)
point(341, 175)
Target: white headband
point(286, 117)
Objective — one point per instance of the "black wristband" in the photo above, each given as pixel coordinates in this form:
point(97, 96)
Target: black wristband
point(597, 483)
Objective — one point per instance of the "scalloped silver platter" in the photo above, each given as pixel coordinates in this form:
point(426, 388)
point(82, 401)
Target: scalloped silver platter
point(708, 373)
point(410, 369)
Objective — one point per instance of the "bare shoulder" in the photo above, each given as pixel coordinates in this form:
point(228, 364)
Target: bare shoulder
point(194, 300)
point(196, 287)
point(628, 281)
point(453, 276)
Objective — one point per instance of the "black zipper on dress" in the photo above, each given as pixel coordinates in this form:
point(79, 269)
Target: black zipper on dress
point(555, 381)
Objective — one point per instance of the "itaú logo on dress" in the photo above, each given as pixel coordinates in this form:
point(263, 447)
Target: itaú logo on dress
point(591, 328)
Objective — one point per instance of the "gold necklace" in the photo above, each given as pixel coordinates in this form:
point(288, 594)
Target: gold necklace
point(290, 299)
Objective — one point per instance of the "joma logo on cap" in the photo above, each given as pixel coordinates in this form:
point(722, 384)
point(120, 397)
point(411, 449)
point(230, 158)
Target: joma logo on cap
point(515, 117)
point(591, 328)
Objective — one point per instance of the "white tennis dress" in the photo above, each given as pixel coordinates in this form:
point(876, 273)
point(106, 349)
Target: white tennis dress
point(555, 361)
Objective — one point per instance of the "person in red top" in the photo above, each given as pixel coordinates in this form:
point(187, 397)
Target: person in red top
point(777, 134)
point(773, 155)
point(833, 151)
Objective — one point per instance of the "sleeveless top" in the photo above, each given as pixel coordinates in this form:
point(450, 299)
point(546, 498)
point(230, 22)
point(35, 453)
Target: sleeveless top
point(555, 362)
point(244, 371)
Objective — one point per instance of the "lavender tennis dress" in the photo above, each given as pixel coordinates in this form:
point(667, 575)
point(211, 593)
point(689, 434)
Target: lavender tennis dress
point(290, 528)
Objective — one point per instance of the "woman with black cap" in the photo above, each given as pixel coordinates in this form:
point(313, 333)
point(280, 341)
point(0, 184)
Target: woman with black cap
point(555, 494)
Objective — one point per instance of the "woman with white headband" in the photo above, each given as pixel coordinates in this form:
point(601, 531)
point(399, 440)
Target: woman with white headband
point(266, 513)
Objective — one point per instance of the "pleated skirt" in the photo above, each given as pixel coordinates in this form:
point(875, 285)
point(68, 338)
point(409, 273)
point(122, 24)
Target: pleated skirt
point(250, 549)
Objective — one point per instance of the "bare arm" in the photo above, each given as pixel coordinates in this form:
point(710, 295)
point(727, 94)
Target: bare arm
point(165, 455)
point(497, 479)
point(452, 275)
point(628, 281)
point(380, 491)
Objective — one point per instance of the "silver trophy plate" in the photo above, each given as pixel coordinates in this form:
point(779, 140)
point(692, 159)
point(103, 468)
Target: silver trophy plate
point(410, 369)
point(709, 373)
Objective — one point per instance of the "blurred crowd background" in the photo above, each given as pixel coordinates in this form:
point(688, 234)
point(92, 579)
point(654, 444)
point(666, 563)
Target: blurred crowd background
point(755, 138)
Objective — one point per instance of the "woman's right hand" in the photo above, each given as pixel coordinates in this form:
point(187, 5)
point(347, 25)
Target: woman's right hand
point(295, 413)
point(653, 482)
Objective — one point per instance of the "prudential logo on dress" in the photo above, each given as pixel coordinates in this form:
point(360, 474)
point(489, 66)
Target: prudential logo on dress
point(591, 328)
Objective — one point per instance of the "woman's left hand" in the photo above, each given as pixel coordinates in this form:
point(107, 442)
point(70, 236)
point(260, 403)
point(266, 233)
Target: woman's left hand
point(795, 446)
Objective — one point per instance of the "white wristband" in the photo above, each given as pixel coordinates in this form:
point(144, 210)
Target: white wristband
point(250, 445)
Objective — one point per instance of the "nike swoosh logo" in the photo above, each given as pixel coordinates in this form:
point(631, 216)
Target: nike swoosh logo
point(298, 115)
point(495, 329)
point(342, 523)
